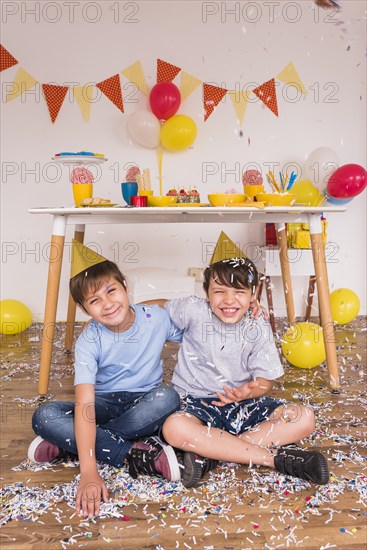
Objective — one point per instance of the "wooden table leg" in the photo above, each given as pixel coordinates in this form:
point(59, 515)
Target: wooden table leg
point(286, 272)
point(310, 294)
point(318, 254)
point(52, 294)
point(70, 320)
point(269, 296)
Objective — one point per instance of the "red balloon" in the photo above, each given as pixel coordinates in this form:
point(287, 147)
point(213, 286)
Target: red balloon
point(165, 100)
point(347, 181)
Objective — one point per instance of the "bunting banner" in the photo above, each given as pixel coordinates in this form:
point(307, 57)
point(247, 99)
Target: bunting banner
point(83, 97)
point(111, 88)
point(212, 95)
point(266, 92)
point(240, 100)
point(188, 85)
point(23, 81)
point(290, 76)
point(134, 73)
point(54, 96)
point(165, 71)
point(6, 59)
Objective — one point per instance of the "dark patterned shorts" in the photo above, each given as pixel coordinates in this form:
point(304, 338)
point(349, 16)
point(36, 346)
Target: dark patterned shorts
point(235, 418)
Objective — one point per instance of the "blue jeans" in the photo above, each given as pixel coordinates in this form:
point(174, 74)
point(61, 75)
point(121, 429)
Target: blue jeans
point(121, 419)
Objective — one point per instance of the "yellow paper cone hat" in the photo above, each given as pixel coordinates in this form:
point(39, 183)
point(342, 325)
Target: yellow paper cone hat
point(225, 249)
point(83, 258)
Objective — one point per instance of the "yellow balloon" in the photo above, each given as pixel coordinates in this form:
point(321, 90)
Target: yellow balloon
point(344, 305)
point(306, 193)
point(14, 317)
point(178, 133)
point(303, 345)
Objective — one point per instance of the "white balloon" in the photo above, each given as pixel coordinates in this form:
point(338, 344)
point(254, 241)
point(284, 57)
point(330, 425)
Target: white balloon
point(144, 128)
point(320, 164)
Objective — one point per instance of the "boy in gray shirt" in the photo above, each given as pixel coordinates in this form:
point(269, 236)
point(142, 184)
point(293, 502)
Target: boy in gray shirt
point(226, 366)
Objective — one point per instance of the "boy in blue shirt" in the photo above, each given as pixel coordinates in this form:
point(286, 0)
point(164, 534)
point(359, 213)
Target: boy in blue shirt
point(119, 395)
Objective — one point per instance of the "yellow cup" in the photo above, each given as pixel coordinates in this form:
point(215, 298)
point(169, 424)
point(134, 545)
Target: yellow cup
point(82, 191)
point(252, 190)
point(146, 193)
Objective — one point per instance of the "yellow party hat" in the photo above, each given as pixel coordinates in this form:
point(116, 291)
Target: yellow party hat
point(225, 249)
point(82, 258)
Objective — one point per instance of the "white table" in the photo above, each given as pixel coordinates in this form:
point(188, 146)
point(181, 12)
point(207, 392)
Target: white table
point(80, 217)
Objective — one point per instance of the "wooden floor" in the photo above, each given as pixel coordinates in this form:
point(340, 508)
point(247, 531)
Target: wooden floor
point(235, 508)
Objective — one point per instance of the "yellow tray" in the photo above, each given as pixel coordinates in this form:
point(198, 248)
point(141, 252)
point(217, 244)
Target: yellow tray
point(184, 204)
point(107, 205)
point(252, 204)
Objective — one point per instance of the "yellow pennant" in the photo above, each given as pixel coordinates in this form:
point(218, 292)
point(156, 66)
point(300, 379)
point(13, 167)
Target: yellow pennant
point(83, 96)
point(240, 99)
point(188, 84)
point(135, 74)
point(290, 76)
point(23, 81)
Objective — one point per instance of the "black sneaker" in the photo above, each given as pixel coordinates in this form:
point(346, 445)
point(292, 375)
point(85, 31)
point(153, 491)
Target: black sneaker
point(194, 467)
point(152, 457)
point(308, 465)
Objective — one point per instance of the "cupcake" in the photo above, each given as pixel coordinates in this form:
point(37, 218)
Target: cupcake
point(193, 196)
point(190, 196)
point(172, 193)
point(181, 196)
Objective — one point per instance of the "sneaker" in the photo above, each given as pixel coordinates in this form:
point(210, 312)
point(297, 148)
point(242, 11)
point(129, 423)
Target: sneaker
point(308, 465)
point(41, 450)
point(152, 457)
point(194, 467)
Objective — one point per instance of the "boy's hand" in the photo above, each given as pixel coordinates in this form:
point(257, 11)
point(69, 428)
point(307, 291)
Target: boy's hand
point(258, 310)
point(236, 394)
point(88, 497)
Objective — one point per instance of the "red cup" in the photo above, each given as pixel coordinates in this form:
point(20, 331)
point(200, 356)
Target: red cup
point(138, 200)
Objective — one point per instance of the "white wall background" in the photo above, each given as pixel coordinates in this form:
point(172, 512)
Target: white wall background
point(83, 42)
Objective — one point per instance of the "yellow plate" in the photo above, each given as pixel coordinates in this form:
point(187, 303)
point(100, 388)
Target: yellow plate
point(107, 205)
point(184, 204)
point(250, 204)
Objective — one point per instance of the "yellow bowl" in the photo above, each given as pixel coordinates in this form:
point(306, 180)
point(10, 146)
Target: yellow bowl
point(161, 200)
point(146, 192)
point(223, 199)
point(276, 199)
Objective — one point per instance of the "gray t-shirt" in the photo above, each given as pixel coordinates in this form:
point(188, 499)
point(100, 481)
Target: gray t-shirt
point(214, 354)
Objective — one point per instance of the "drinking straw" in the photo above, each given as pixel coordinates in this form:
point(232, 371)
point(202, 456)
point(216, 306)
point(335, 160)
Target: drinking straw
point(291, 180)
point(274, 183)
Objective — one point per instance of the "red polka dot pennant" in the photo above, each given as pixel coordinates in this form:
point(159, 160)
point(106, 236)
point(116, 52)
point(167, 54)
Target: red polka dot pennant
point(165, 71)
point(54, 96)
point(212, 96)
point(111, 88)
point(6, 59)
point(267, 93)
